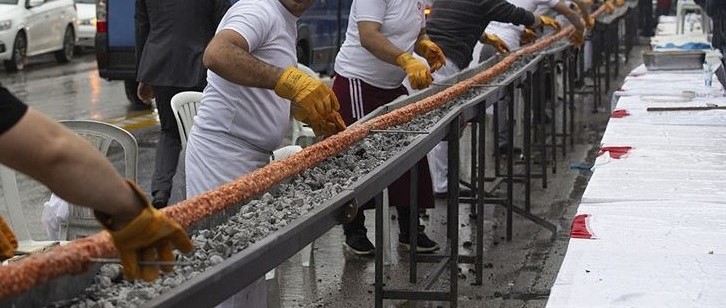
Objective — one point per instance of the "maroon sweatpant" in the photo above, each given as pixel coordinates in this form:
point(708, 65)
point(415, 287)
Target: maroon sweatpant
point(357, 99)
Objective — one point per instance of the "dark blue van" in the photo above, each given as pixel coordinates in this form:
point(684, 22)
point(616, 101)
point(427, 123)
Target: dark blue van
point(321, 31)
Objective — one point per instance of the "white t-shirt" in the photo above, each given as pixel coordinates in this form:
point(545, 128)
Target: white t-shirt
point(401, 20)
point(511, 33)
point(254, 116)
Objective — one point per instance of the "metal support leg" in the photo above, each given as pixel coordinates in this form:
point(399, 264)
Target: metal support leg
point(571, 77)
point(474, 175)
point(413, 224)
point(453, 205)
point(379, 252)
point(553, 104)
point(510, 160)
point(527, 143)
point(495, 140)
point(565, 101)
point(479, 262)
point(541, 128)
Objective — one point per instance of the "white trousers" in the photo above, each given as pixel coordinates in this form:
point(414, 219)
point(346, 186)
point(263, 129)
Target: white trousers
point(211, 162)
point(438, 157)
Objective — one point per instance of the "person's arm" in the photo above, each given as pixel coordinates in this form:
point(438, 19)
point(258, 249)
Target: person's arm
point(571, 15)
point(503, 11)
point(68, 165)
point(78, 173)
point(376, 43)
point(228, 56)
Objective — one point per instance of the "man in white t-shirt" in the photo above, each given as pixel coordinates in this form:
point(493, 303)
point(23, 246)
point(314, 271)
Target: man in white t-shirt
point(370, 67)
point(241, 119)
point(510, 34)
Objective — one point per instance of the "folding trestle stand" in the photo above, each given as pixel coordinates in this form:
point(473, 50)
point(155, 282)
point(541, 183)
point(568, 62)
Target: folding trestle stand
point(422, 289)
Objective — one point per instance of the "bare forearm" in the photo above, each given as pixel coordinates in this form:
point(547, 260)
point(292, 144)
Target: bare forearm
point(229, 58)
point(571, 15)
point(377, 44)
point(67, 164)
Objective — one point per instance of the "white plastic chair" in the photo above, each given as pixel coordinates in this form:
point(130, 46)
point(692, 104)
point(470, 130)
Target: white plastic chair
point(16, 217)
point(81, 221)
point(185, 106)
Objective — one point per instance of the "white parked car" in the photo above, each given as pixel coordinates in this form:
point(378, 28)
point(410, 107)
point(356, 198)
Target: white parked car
point(86, 22)
point(33, 27)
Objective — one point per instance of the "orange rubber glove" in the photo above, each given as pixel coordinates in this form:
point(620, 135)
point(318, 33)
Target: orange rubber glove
point(313, 102)
point(432, 53)
point(589, 22)
point(150, 236)
point(418, 74)
point(528, 36)
point(496, 42)
point(549, 22)
point(8, 243)
point(619, 3)
point(609, 7)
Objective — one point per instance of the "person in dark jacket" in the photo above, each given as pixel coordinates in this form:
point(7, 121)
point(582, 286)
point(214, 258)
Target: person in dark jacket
point(456, 26)
point(716, 9)
point(171, 36)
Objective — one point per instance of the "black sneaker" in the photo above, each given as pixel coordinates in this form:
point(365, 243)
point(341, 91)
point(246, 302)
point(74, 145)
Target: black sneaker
point(359, 244)
point(424, 243)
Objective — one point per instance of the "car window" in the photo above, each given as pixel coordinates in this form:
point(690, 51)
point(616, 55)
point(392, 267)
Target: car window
point(8, 1)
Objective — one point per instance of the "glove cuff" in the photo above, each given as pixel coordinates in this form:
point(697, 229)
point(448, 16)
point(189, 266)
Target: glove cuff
point(285, 86)
point(403, 59)
point(421, 46)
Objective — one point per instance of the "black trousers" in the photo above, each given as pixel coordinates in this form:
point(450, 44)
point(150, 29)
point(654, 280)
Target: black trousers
point(169, 145)
point(645, 8)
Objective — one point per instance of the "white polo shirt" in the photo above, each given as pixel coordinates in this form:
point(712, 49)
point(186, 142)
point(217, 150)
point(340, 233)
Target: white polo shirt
point(401, 20)
point(255, 116)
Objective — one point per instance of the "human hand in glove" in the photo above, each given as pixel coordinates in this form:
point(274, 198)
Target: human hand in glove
point(589, 22)
point(432, 53)
point(619, 3)
point(609, 7)
point(528, 36)
point(151, 236)
point(546, 21)
point(8, 243)
point(313, 102)
point(418, 74)
point(496, 42)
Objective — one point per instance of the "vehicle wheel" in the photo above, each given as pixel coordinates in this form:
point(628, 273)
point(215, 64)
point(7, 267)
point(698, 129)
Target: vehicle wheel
point(69, 45)
point(20, 54)
point(130, 87)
